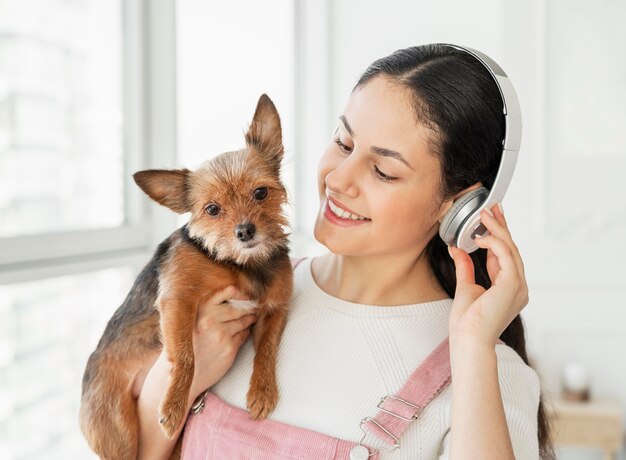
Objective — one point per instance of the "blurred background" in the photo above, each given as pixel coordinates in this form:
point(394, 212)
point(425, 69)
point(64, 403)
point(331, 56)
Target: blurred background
point(94, 90)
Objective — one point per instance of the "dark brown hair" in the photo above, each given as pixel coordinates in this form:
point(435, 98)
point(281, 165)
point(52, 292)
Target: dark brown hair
point(456, 97)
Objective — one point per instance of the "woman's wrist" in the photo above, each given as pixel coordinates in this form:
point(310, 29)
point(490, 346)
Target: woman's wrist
point(470, 341)
point(158, 378)
point(152, 442)
point(469, 351)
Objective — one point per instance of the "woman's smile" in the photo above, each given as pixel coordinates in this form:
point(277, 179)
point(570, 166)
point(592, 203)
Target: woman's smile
point(333, 217)
point(342, 210)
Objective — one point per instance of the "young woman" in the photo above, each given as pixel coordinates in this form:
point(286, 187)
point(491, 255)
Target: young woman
point(421, 127)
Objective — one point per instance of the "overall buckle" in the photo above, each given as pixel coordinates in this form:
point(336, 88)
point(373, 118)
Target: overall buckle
point(370, 419)
point(417, 408)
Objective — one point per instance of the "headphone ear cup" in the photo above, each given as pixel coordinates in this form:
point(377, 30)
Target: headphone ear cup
point(459, 212)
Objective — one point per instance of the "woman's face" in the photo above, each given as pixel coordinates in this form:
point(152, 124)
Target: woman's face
point(382, 172)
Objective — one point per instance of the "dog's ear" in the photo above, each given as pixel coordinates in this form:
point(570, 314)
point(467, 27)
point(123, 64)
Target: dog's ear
point(265, 132)
point(166, 187)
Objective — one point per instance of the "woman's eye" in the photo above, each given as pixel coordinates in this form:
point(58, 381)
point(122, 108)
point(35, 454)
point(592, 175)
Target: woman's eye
point(341, 145)
point(382, 175)
point(377, 171)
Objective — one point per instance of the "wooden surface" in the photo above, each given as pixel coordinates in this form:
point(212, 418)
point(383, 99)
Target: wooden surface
point(596, 424)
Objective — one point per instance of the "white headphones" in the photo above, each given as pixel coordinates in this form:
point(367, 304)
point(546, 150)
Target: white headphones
point(462, 223)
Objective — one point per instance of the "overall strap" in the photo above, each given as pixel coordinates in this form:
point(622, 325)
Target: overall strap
point(396, 412)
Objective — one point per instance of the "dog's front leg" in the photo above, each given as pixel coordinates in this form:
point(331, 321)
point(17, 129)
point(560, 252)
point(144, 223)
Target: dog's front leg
point(263, 392)
point(177, 322)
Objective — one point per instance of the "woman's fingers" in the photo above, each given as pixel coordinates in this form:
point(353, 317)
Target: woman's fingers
point(242, 324)
point(500, 217)
point(508, 267)
point(240, 337)
point(224, 295)
point(216, 308)
point(497, 226)
point(503, 253)
point(238, 329)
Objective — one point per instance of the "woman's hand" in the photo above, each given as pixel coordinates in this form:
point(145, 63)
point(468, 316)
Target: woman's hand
point(220, 331)
point(482, 315)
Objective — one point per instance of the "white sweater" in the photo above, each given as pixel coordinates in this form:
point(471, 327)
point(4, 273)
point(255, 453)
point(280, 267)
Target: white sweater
point(337, 359)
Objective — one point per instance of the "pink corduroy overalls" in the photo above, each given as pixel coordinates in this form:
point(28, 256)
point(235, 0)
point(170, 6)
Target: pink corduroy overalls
point(216, 430)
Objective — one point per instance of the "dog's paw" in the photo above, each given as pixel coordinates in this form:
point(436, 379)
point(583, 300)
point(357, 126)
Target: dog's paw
point(261, 400)
point(171, 416)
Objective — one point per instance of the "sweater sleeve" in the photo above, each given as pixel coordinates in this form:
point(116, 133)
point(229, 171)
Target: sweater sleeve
point(520, 391)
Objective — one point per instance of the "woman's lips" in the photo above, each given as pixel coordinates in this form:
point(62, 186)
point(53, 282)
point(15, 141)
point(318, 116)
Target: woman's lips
point(341, 206)
point(331, 217)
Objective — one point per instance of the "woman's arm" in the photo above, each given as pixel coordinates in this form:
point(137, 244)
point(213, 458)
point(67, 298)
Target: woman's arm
point(477, 319)
point(152, 442)
point(519, 393)
point(478, 429)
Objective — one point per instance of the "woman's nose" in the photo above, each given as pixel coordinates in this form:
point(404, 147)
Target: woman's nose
point(343, 178)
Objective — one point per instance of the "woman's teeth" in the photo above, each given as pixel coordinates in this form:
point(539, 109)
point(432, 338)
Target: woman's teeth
point(343, 214)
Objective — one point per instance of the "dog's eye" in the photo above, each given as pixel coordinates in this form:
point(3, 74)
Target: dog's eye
point(260, 193)
point(212, 210)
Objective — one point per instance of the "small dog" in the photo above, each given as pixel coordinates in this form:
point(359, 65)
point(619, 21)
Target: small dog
point(235, 235)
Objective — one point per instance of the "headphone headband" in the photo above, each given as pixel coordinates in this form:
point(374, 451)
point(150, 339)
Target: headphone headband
point(510, 103)
point(462, 222)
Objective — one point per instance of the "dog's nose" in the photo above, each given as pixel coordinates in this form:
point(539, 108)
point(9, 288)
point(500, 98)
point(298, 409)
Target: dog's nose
point(245, 232)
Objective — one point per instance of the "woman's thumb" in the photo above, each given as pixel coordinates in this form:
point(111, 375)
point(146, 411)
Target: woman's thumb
point(225, 294)
point(464, 266)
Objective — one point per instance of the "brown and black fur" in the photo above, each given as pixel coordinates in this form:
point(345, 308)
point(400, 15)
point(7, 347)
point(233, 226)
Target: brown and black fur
point(192, 264)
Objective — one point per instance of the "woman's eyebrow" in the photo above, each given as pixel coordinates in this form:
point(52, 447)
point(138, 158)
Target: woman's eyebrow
point(377, 150)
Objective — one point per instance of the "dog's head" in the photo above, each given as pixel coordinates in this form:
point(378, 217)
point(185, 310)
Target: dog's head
point(235, 199)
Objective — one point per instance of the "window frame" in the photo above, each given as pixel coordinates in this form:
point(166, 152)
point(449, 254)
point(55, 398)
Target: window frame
point(313, 124)
point(149, 142)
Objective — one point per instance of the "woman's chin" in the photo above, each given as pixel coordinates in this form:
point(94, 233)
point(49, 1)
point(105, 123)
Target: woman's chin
point(325, 237)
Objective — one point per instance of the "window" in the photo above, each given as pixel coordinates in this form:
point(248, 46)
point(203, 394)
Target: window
point(48, 329)
point(61, 117)
point(85, 101)
point(87, 97)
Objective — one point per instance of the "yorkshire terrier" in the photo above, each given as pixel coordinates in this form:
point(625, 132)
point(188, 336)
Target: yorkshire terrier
point(235, 235)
